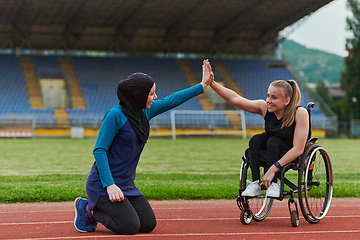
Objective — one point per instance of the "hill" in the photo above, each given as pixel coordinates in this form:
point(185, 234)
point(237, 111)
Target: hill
point(311, 64)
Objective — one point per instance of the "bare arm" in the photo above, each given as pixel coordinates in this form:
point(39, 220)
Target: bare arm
point(300, 136)
point(252, 106)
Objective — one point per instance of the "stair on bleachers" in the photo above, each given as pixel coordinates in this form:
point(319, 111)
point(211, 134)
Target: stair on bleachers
point(192, 79)
point(62, 119)
point(77, 99)
point(32, 84)
point(227, 77)
point(229, 82)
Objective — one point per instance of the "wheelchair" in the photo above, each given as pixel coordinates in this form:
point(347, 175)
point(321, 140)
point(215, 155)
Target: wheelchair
point(314, 185)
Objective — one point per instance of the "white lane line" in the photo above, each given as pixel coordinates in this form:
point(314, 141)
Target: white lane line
point(36, 211)
point(154, 208)
point(170, 219)
point(35, 223)
point(196, 234)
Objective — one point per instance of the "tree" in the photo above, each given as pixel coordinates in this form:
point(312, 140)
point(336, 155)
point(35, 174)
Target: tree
point(323, 91)
point(350, 77)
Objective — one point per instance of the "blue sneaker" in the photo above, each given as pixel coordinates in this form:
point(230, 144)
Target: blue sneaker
point(83, 221)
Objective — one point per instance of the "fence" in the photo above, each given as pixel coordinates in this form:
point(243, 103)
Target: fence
point(12, 126)
point(186, 122)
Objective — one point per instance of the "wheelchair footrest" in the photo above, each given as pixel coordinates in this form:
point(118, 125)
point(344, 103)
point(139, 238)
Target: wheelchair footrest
point(240, 202)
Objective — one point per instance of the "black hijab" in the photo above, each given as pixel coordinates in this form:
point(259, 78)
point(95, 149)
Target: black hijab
point(133, 93)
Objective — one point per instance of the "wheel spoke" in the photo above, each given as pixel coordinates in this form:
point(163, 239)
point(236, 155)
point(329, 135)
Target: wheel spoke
point(258, 206)
point(316, 179)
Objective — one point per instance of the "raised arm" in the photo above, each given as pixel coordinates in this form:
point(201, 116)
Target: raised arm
point(252, 106)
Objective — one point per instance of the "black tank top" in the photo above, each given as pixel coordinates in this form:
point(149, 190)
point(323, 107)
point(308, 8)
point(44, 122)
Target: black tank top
point(273, 127)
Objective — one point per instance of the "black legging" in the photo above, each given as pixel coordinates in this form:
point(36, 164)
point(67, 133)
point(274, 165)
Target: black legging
point(132, 215)
point(273, 146)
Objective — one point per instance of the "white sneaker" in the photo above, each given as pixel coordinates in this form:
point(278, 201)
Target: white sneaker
point(252, 190)
point(273, 190)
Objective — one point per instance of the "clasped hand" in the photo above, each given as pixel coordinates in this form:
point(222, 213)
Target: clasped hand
point(115, 193)
point(207, 74)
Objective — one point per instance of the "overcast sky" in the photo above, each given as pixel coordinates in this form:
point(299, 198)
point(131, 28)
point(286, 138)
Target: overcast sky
point(325, 29)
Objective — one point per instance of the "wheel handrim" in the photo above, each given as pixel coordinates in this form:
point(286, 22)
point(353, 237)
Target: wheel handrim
point(318, 207)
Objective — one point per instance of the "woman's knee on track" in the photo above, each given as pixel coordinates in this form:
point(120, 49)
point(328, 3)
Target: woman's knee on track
point(118, 224)
point(134, 225)
point(148, 226)
point(128, 226)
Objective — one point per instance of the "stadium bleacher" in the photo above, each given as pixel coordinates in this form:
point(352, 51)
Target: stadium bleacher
point(13, 92)
point(98, 78)
point(47, 67)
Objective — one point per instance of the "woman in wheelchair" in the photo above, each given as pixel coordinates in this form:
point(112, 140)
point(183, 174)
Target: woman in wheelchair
point(286, 128)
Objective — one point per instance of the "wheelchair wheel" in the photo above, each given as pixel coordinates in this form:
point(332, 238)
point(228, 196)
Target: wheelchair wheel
point(259, 206)
point(294, 218)
point(245, 217)
point(315, 183)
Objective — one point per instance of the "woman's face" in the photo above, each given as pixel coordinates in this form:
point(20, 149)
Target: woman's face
point(276, 100)
point(152, 96)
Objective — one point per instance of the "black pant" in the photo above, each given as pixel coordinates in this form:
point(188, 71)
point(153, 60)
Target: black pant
point(132, 215)
point(273, 146)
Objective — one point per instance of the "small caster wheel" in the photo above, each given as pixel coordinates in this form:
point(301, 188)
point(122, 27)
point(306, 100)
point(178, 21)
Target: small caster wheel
point(245, 217)
point(294, 218)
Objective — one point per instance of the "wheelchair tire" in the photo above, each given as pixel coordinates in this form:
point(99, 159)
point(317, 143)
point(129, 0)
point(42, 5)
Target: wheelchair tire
point(245, 217)
point(315, 183)
point(260, 214)
point(258, 206)
point(294, 218)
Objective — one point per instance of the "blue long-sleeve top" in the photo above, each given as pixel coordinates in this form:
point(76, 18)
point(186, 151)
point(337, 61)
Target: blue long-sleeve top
point(117, 149)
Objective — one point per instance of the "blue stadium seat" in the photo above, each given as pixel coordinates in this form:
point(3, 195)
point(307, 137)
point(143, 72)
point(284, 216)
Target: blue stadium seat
point(13, 93)
point(47, 67)
point(98, 78)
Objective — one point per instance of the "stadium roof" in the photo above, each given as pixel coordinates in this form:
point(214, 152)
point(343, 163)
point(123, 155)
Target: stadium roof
point(248, 27)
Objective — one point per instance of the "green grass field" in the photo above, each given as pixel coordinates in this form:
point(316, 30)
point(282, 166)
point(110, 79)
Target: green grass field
point(46, 170)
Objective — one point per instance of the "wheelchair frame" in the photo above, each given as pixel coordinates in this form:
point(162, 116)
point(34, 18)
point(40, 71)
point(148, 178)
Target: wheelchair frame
point(312, 191)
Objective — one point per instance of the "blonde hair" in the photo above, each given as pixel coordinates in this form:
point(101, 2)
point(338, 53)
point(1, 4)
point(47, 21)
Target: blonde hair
point(292, 91)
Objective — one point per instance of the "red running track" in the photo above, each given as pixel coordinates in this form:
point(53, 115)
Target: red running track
point(213, 219)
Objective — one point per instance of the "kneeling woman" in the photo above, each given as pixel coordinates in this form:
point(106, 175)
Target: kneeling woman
point(113, 198)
